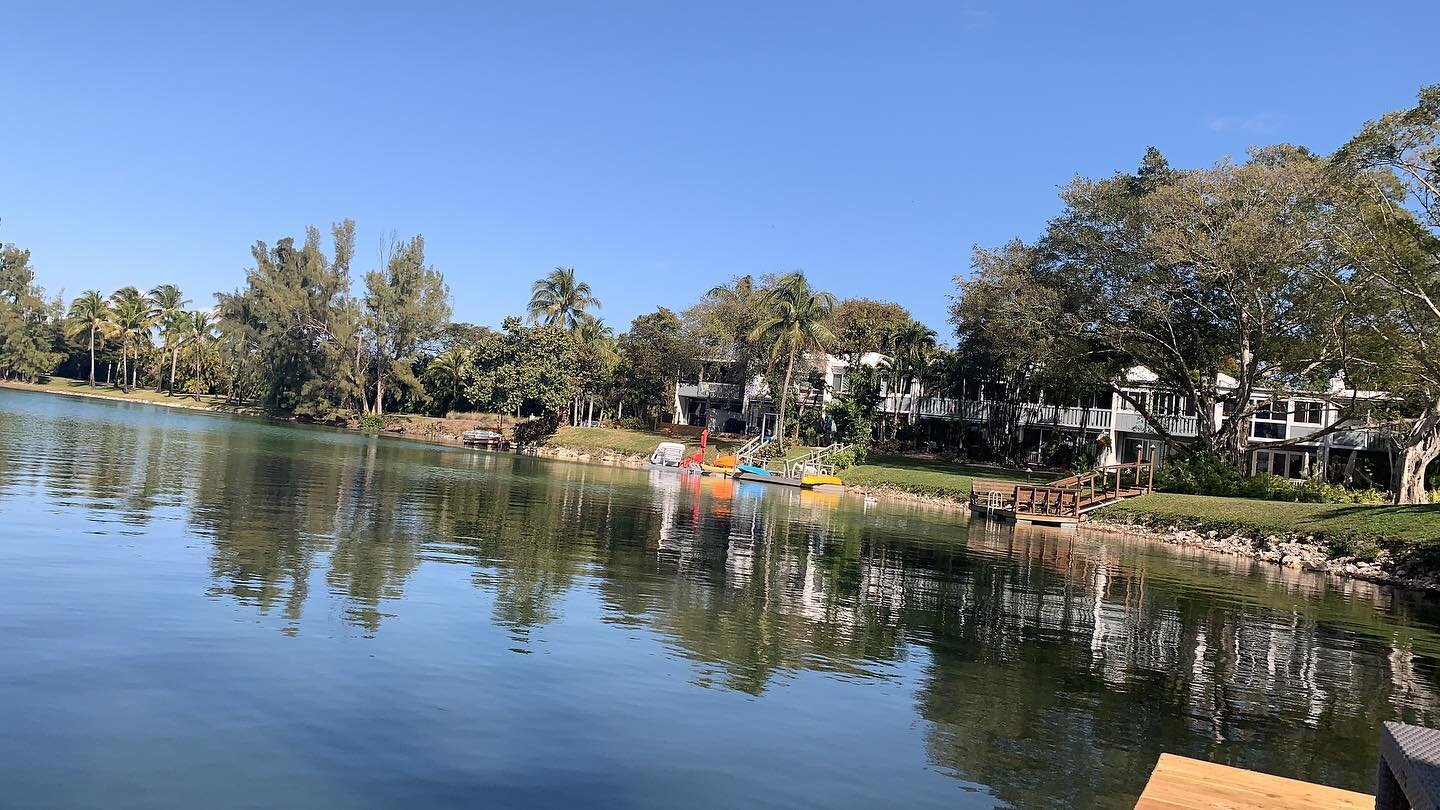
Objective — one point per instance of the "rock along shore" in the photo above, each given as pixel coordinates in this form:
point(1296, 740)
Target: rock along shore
point(1305, 552)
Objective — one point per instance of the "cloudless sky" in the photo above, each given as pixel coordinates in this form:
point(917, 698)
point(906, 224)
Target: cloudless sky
point(659, 148)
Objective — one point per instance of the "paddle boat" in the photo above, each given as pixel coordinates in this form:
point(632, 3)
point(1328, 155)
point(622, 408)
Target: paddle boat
point(667, 455)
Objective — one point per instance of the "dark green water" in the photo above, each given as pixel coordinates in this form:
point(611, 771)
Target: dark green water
point(206, 611)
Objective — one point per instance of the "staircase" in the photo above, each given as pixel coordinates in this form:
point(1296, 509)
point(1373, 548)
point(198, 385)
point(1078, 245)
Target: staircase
point(814, 462)
point(1062, 502)
point(750, 451)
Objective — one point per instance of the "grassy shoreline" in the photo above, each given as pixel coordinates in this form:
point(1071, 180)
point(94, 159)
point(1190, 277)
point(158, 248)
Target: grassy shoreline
point(65, 386)
point(1407, 536)
point(926, 479)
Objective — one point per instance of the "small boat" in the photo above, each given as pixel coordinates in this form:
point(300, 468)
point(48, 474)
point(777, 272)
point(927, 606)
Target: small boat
point(667, 454)
point(482, 438)
point(715, 469)
point(746, 472)
point(821, 481)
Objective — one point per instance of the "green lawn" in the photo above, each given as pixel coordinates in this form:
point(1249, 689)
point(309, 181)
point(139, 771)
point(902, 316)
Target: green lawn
point(938, 479)
point(65, 385)
point(1348, 528)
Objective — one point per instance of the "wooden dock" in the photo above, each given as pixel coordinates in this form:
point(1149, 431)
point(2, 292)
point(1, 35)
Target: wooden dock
point(1180, 783)
point(1062, 502)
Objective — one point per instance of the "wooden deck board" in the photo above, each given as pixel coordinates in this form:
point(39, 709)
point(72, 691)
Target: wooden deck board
point(1181, 782)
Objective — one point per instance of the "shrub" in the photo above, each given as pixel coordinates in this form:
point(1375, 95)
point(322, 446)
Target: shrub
point(1200, 474)
point(1207, 475)
point(634, 423)
point(847, 458)
point(372, 423)
point(535, 430)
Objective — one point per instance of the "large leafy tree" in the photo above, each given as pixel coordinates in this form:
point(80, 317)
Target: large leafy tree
point(294, 329)
point(1389, 232)
point(652, 356)
point(795, 319)
point(559, 300)
point(523, 369)
point(865, 325)
point(1197, 273)
point(407, 304)
point(170, 315)
point(1005, 317)
point(90, 315)
point(26, 339)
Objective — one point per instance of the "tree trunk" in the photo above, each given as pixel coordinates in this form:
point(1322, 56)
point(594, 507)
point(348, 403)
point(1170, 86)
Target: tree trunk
point(197, 371)
point(1422, 446)
point(784, 401)
point(92, 355)
point(174, 360)
point(124, 373)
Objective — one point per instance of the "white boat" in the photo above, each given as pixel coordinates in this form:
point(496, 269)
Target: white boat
point(668, 454)
point(481, 438)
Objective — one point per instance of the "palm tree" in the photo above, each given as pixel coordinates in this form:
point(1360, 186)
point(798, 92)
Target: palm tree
point(793, 321)
point(133, 319)
point(446, 368)
point(199, 330)
point(597, 340)
point(914, 346)
point(557, 300)
point(169, 311)
point(90, 312)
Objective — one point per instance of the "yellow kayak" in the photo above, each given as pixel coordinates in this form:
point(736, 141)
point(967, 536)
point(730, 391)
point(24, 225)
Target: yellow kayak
point(711, 469)
point(820, 481)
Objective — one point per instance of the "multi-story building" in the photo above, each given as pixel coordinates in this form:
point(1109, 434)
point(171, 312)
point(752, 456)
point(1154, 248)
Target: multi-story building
point(1110, 425)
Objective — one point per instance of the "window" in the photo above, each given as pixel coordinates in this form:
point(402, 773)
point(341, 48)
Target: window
point(840, 382)
point(1138, 396)
point(1293, 464)
point(1269, 420)
point(1270, 410)
point(1309, 413)
point(1267, 430)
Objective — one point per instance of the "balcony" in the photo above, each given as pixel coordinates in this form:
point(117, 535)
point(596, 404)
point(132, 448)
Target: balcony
point(709, 390)
point(1184, 427)
point(977, 411)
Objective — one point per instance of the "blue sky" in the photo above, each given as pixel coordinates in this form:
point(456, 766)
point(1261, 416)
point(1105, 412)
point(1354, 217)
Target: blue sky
point(656, 147)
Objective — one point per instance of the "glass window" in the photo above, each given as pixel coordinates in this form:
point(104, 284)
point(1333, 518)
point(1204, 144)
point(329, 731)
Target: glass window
point(1296, 465)
point(1309, 413)
point(1267, 430)
point(1262, 461)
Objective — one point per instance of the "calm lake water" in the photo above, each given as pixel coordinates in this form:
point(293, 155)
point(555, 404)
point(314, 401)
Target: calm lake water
point(199, 610)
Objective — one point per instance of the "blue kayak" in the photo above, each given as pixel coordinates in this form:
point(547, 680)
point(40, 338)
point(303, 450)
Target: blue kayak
point(753, 470)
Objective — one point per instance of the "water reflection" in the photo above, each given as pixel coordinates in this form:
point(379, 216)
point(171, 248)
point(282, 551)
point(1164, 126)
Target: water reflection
point(1049, 668)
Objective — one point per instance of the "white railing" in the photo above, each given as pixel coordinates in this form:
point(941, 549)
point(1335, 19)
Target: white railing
point(978, 411)
point(708, 390)
point(1179, 426)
